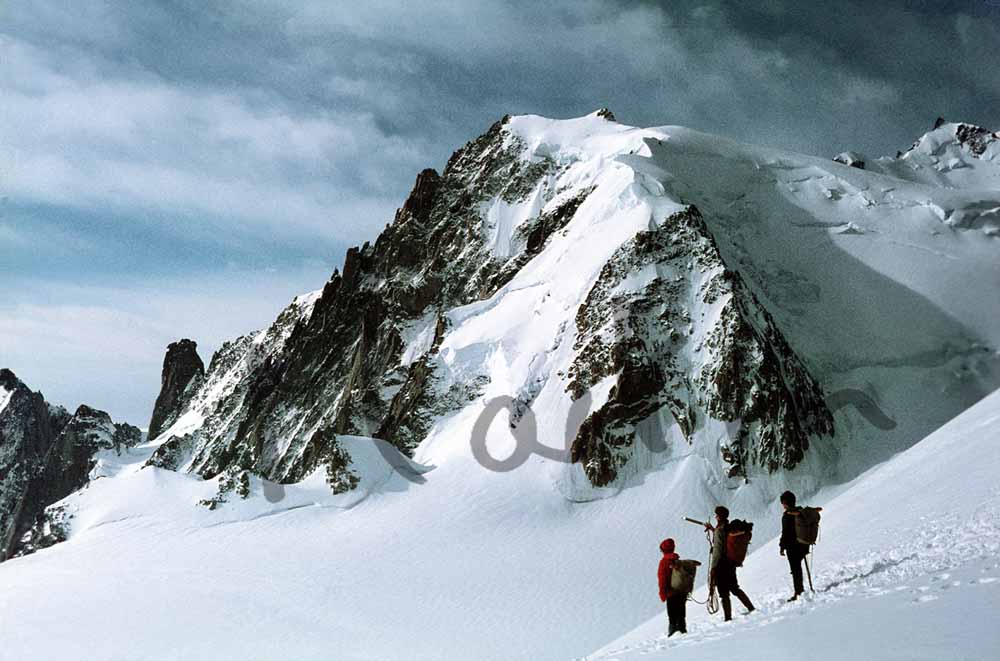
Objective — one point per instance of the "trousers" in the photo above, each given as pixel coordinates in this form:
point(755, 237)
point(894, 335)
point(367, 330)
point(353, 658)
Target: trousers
point(676, 614)
point(795, 557)
point(727, 584)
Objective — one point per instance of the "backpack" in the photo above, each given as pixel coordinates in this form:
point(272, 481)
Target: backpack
point(807, 525)
point(738, 534)
point(682, 575)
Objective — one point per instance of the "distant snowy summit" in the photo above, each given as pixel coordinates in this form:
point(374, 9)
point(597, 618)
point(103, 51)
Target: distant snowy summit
point(948, 147)
point(701, 293)
point(952, 154)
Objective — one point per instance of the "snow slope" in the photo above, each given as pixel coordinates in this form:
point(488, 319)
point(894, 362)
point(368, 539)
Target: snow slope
point(908, 567)
point(5, 396)
point(471, 564)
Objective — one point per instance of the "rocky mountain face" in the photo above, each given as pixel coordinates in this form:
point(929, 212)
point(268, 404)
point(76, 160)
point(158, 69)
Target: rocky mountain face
point(183, 373)
point(272, 403)
point(362, 356)
point(45, 454)
point(745, 369)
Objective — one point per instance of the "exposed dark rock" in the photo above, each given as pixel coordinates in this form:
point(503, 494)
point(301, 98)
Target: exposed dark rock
point(335, 369)
point(420, 202)
point(850, 158)
point(45, 455)
point(748, 370)
point(604, 113)
point(49, 529)
point(28, 427)
point(975, 138)
point(231, 482)
point(182, 374)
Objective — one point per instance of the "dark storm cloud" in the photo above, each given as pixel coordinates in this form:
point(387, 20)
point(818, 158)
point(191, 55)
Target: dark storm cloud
point(177, 151)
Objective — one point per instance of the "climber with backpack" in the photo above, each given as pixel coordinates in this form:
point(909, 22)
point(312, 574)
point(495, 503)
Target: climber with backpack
point(676, 581)
point(799, 530)
point(729, 549)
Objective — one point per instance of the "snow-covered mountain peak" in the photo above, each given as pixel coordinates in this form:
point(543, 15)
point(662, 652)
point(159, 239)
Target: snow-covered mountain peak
point(596, 137)
point(977, 141)
point(693, 285)
point(952, 154)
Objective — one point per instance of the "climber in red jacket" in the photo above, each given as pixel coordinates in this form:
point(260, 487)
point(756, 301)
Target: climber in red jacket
point(676, 601)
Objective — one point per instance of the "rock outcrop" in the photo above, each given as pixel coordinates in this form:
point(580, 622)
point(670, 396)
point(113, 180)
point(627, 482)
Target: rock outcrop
point(275, 401)
point(975, 138)
point(851, 159)
point(182, 375)
point(45, 454)
point(743, 369)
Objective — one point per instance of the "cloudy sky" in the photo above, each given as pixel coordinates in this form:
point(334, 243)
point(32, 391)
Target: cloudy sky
point(168, 170)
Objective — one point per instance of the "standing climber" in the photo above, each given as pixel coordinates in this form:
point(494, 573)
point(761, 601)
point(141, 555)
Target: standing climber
point(789, 543)
point(676, 599)
point(723, 565)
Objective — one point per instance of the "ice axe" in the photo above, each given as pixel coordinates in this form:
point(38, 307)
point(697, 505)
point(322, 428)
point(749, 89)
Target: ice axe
point(707, 525)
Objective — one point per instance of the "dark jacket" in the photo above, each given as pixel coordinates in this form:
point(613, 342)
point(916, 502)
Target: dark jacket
point(666, 568)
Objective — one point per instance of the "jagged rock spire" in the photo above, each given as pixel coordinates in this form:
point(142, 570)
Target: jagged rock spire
point(183, 371)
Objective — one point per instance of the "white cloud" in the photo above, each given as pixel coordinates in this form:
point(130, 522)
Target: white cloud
point(126, 144)
point(863, 91)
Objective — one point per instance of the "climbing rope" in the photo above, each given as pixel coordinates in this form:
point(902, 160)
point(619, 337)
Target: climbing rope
point(712, 602)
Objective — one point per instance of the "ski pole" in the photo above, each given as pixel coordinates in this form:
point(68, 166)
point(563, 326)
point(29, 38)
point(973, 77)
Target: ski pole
point(809, 574)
